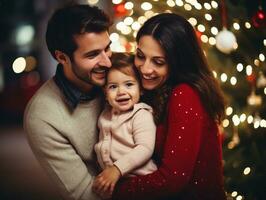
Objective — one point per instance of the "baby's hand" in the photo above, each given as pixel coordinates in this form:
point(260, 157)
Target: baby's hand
point(105, 182)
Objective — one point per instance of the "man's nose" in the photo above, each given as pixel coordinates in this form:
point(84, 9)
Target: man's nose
point(105, 59)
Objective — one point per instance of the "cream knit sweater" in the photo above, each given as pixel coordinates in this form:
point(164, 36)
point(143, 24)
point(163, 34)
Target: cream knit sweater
point(127, 140)
point(63, 140)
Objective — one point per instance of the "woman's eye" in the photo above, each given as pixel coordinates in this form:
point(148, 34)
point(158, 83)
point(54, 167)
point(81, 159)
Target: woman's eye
point(140, 55)
point(157, 62)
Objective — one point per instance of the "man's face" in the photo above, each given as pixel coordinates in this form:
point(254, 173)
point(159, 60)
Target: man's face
point(91, 59)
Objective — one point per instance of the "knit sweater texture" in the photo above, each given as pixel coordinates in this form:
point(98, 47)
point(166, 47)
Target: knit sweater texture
point(62, 140)
point(127, 140)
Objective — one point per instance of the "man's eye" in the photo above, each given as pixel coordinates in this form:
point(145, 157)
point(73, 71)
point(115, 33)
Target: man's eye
point(93, 55)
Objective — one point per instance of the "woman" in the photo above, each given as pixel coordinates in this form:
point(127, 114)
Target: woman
point(188, 106)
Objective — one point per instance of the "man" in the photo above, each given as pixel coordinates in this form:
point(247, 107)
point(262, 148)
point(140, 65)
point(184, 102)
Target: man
point(60, 120)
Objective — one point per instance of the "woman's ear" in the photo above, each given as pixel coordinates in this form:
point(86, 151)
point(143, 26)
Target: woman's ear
point(61, 57)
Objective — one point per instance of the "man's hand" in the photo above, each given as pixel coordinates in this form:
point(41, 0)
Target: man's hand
point(105, 182)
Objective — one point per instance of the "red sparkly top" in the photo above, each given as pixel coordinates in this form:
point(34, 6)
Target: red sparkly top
point(188, 153)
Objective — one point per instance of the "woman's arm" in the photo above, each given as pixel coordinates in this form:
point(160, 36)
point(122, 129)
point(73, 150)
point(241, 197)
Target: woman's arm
point(185, 122)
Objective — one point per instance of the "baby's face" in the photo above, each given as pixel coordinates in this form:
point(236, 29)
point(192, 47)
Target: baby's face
point(122, 91)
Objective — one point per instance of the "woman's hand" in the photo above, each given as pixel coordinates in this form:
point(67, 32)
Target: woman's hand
point(105, 182)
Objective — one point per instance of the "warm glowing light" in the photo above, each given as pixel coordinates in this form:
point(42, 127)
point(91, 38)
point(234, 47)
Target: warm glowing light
point(246, 171)
point(146, 6)
point(240, 67)
point(188, 7)
point(120, 26)
point(256, 124)
point(225, 123)
point(207, 6)
point(236, 26)
point(136, 26)
point(19, 65)
point(239, 197)
point(214, 4)
point(214, 30)
point(243, 117)
point(117, 1)
point(24, 34)
point(212, 41)
point(262, 57)
point(128, 20)
point(93, 2)
point(250, 119)
point(263, 123)
point(208, 17)
point(214, 73)
point(192, 21)
point(201, 28)
point(249, 70)
point(142, 19)
point(223, 77)
point(265, 91)
point(264, 42)
point(114, 37)
point(236, 120)
point(233, 80)
point(31, 63)
point(247, 25)
point(198, 6)
point(129, 5)
point(229, 110)
point(204, 38)
point(179, 3)
point(149, 14)
point(126, 30)
point(256, 62)
point(234, 194)
point(117, 47)
point(170, 3)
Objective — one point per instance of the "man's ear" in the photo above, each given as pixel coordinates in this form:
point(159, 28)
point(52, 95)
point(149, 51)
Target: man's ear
point(61, 57)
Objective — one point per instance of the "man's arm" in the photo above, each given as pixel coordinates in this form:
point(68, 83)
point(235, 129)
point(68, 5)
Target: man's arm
point(59, 159)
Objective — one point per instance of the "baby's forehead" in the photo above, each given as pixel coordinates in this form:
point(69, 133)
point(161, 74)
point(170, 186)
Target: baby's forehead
point(127, 70)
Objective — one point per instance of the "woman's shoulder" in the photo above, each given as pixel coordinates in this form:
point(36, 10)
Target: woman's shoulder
point(184, 89)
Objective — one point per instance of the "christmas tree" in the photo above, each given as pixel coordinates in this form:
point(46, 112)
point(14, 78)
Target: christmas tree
point(233, 36)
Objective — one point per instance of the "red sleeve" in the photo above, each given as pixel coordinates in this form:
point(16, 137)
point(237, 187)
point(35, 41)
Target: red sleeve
point(185, 124)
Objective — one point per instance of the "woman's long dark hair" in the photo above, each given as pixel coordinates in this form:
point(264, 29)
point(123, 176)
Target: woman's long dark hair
point(187, 64)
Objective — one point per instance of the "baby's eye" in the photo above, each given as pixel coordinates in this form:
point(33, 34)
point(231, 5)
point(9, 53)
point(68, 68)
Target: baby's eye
point(112, 87)
point(129, 84)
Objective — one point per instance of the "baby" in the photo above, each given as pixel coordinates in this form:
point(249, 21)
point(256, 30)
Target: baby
point(127, 130)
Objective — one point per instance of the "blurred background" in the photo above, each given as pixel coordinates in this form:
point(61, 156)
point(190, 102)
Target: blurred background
point(233, 36)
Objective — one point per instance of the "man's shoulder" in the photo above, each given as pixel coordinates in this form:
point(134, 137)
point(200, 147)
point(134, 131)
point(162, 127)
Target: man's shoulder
point(45, 97)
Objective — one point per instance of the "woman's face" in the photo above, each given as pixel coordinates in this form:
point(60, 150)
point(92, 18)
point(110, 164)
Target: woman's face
point(151, 63)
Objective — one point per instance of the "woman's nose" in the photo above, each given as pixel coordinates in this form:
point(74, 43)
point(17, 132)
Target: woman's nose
point(146, 68)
